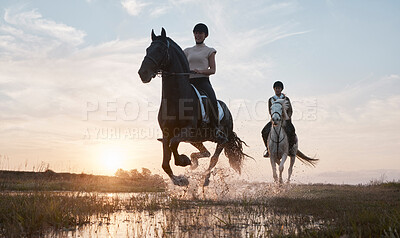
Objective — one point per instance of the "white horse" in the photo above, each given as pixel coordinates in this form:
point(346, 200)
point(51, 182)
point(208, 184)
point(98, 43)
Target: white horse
point(278, 144)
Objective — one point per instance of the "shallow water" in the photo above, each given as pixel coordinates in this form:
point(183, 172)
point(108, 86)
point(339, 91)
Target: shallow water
point(211, 221)
point(224, 209)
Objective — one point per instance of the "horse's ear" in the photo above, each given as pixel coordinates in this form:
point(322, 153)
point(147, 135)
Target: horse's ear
point(153, 36)
point(163, 33)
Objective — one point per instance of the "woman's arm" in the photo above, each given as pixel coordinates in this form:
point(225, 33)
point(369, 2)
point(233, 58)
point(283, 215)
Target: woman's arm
point(213, 66)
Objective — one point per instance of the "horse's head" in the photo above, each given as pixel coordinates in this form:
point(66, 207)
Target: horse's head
point(156, 56)
point(278, 111)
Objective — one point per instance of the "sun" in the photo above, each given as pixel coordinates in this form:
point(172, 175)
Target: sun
point(112, 158)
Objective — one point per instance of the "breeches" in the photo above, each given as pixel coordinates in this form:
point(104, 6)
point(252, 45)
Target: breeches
point(204, 85)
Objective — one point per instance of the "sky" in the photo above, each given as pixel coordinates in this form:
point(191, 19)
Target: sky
point(71, 99)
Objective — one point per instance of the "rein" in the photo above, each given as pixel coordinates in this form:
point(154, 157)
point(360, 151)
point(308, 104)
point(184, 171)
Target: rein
point(278, 141)
point(163, 72)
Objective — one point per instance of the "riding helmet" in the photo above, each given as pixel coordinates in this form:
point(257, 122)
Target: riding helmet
point(201, 27)
point(278, 84)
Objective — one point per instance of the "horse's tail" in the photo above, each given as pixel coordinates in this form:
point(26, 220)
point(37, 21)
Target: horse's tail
point(305, 159)
point(234, 151)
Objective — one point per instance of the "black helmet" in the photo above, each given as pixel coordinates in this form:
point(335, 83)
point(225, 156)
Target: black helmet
point(200, 28)
point(278, 84)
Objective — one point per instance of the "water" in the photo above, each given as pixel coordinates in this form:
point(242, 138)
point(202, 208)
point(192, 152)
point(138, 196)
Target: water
point(207, 221)
point(224, 209)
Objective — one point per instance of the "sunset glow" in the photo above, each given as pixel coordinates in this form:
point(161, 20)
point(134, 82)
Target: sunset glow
point(71, 97)
point(111, 159)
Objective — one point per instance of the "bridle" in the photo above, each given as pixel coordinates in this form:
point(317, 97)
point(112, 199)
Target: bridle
point(164, 62)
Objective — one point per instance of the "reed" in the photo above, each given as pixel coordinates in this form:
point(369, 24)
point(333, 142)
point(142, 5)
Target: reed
point(315, 210)
point(37, 213)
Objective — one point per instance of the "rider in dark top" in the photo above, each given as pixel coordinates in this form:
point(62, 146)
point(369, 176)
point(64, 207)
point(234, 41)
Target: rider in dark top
point(287, 125)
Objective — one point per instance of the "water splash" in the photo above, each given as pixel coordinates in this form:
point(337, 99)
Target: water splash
point(225, 185)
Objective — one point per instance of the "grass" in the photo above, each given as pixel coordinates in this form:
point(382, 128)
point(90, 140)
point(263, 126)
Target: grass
point(357, 211)
point(51, 181)
point(35, 214)
point(317, 210)
point(302, 210)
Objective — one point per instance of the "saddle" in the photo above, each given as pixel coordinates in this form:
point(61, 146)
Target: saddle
point(203, 100)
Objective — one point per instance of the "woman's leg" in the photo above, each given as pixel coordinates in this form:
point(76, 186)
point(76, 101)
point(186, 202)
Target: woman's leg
point(204, 85)
point(291, 132)
point(265, 133)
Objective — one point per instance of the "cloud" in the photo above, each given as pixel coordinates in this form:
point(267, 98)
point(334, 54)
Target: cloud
point(133, 7)
point(48, 78)
point(44, 100)
point(33, 21)
point(363, 100)
point(28, 34)
point(159, 11)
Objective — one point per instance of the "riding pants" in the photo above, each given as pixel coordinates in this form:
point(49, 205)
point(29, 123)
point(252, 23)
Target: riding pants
point(203, 84)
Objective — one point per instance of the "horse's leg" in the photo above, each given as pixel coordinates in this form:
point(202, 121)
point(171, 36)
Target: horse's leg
point(273, 165)
point(213, 163)
point(281, 167)
point(180, 160)
point(197, 155)
point(177, 180)
point(292, 159)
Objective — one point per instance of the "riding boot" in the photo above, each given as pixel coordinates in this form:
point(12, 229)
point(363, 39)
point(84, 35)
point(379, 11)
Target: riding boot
point(292, 141)
point(265, 133)
point(291, 133)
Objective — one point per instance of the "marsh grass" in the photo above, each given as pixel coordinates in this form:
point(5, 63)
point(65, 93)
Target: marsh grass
point(261, 210)
point(293, 210)
point(51, 181)
point(37, 213)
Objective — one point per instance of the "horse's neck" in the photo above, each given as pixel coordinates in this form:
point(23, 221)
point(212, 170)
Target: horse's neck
point(176, 86)
point(284, 109)
point(277, 132)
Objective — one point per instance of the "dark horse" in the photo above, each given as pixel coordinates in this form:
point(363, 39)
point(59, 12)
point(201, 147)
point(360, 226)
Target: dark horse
point(179, 116)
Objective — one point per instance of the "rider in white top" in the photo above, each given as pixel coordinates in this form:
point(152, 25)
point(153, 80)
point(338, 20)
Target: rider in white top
point(288, 126)
point(201, 60)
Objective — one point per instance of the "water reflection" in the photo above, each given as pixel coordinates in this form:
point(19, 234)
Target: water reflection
point(224, 209)
point(191, 218)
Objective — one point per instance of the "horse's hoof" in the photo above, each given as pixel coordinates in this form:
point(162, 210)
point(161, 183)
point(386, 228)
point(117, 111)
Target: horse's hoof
point(180, 180)
point(183, 161)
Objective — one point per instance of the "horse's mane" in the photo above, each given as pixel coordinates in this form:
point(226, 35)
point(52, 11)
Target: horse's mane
point(285, 106)
point(180, 54)
point(283, 102)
